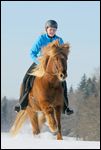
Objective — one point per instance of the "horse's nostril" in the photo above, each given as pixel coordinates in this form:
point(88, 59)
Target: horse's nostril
point(61, 75)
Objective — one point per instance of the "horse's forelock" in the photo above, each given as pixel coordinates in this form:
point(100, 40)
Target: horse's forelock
point(53, 48)
point(50, 47)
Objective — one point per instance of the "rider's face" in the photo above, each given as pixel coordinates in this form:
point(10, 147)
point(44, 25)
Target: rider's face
point(51, 31)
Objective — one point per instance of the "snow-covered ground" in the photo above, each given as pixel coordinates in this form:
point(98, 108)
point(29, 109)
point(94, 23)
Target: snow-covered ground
point(45, 140)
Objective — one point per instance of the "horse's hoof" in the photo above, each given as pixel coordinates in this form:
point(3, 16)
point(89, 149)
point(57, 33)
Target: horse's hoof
point(36, 132)
point(59, 136)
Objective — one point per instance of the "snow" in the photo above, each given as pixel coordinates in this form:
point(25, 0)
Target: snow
point(44, 141)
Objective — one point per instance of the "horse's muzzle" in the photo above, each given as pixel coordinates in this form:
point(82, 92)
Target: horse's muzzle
point(62, 76)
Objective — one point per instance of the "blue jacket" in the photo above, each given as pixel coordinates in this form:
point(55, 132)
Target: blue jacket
point(40, 42)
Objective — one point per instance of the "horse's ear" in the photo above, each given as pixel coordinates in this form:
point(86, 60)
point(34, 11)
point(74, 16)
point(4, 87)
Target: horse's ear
point(65, 48)
point(56, 42)
point(66, 45)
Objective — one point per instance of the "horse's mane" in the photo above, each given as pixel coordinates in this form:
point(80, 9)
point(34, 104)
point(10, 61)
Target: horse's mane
point(50, 50)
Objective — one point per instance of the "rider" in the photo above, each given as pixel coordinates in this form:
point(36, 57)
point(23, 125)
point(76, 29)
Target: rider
point(44, 39)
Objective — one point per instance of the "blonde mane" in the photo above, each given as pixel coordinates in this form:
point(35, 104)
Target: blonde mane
point(50, 50)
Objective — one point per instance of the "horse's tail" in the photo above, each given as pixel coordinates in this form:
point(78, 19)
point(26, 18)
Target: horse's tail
point(20, 118)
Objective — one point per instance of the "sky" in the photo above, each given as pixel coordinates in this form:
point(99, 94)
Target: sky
point(23, 21)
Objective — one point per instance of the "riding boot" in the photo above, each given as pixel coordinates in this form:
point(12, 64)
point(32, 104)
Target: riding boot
point(26, 87)
point(66, 109)
point(22, 104)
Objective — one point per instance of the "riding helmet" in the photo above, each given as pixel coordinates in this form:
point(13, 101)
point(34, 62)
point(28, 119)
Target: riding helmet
point(51, 23)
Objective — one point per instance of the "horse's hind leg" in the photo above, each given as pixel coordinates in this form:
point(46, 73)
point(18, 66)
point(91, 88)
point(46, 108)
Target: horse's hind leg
point(34, 120)
point(58, 117)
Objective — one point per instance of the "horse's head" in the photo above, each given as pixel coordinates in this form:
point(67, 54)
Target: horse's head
point(56, 60)
point(53, 61)
point(59, 66)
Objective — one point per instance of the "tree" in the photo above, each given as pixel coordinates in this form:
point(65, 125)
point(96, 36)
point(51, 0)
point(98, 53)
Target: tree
point(3, 113)
point(88, 91)
point(91, 87)
point(94, 86)
point(82, 85)
point(71, 90)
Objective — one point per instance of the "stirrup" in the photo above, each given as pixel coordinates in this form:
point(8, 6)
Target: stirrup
point(69, 111)
point(17, 108)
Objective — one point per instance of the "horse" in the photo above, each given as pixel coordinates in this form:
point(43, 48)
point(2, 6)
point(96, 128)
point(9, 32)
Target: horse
point(46, 95)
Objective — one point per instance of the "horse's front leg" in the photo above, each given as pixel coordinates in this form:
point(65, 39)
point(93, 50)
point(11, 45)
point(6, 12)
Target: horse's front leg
point(58, 117)
point(50, 115)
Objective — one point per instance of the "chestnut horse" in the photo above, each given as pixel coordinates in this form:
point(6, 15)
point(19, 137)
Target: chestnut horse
point(46, 94)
